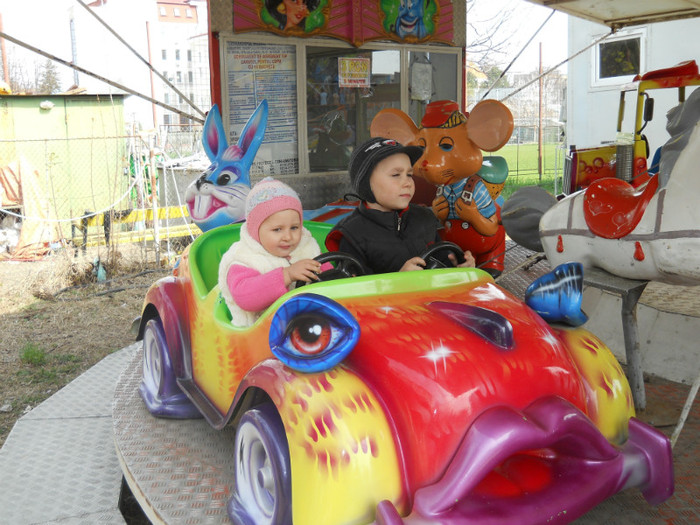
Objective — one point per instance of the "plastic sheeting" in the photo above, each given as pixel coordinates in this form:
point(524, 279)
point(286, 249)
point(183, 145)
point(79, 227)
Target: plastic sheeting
point(680, 124)
point(21, 187)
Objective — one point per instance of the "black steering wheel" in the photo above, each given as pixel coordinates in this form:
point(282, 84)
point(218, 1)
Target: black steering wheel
point(444, 248)
point(346, 265)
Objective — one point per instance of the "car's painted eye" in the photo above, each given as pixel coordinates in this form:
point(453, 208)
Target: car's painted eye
point(312, 333)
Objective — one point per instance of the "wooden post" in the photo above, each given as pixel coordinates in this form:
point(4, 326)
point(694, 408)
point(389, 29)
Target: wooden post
point(5, 67)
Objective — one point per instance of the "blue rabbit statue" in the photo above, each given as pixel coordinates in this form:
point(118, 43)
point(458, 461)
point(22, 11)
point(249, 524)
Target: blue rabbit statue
point(218, 196)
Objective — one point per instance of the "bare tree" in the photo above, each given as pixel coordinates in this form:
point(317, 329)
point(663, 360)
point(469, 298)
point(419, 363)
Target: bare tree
point(487, 32)
point(27, 75)
point(21, 79)
point(48, 80)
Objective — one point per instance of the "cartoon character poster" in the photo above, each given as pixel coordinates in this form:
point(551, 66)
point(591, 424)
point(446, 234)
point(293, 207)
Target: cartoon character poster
point(294, 16)
point(353, 21)
point(409, 19)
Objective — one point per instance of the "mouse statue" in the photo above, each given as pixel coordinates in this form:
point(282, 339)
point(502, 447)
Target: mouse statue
point(468, 183)
point(217, 197)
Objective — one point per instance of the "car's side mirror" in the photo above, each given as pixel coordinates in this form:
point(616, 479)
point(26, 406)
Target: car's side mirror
point(648, 109)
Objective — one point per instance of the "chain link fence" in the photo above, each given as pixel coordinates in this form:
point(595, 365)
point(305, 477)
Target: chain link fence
point(99, 191)
point(534, 157)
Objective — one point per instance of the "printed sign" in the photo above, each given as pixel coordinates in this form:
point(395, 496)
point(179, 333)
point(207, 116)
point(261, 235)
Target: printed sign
point(354, 72)
point(265, 71)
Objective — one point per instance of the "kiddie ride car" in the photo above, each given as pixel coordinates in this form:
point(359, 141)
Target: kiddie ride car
point(414, 397)
point(626, 157)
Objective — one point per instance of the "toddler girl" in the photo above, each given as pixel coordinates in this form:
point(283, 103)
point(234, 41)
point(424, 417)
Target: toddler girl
point(274, 251)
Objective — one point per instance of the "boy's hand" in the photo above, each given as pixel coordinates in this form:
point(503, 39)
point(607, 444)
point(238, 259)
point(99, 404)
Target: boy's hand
point(305, 270)
point(415, 263)
point(469, 261)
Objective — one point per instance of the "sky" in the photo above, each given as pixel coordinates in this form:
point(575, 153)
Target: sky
point(525, 19)
point(42, 24)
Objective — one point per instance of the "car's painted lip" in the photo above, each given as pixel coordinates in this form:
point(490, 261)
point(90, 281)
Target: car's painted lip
point(586, 468)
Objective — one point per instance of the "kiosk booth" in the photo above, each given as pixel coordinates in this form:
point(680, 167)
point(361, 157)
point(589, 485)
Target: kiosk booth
point(326, 67)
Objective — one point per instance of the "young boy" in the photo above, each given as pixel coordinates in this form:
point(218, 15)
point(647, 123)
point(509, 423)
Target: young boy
point(386, 232)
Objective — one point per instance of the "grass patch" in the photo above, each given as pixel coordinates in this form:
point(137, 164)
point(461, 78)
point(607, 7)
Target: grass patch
point(53, 369)
point(37, 375)
point(512, 185)
point(32, 354)
point(31, 400)
point(522, 159)
point(523, 169)
point(67, 358)
point(72, 341)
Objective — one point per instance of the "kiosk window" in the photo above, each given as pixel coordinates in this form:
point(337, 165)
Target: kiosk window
point(322, 98)
point(343, 99)
point(432, 76)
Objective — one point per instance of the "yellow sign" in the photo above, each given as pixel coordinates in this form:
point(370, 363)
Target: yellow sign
point(354, 72)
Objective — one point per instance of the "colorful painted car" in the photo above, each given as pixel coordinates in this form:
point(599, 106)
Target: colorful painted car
point(415, 397)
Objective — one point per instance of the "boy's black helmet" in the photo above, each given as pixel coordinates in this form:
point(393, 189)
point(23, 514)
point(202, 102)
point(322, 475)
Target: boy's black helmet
point(367, 155)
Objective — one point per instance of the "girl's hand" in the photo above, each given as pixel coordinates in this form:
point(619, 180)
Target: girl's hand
point(415, 263)
point(305, 270)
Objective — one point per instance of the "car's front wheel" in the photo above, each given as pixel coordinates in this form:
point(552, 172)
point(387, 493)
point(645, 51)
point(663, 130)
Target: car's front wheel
point(263, 475)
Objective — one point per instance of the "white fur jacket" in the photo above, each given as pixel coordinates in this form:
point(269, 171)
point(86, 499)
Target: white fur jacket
point(250, 253)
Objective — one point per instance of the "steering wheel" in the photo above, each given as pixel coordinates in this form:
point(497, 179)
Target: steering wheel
point(346, 265)
point(443, 248)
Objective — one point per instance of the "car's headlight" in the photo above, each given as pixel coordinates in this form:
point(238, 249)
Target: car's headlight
point(311, 333)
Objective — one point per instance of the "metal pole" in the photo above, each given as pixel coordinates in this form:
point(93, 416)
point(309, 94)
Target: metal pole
point(631, 336)
point(516, 56)
point(153, 92)
point(3, 50)
point(148, 63)
point(154, 196)
point(686, 409)
point(570, 57)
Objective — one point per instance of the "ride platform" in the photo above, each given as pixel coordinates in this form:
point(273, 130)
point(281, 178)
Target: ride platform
point(64, 461)
point(180, 471)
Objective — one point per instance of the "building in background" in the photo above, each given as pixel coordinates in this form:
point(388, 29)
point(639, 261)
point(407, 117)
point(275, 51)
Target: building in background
point(171, 34)
point(183, 56)
point(597, 76)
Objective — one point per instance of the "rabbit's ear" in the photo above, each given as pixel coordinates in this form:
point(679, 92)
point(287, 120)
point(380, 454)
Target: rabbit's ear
point(213, 136)
point(253, 133)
